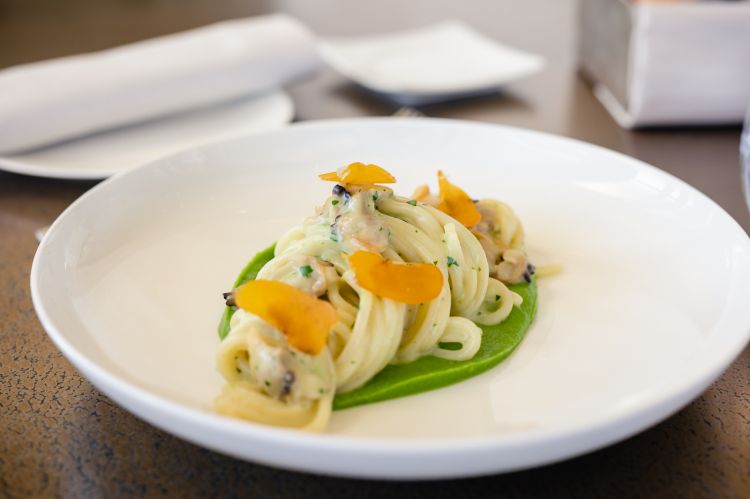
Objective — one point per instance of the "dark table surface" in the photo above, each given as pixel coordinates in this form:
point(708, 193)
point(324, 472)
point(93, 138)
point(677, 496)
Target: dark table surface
point(60, 436)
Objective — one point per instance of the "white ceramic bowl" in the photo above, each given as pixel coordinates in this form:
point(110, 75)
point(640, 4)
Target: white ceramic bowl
point(650, 308)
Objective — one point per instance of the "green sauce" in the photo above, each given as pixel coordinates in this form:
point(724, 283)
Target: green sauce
point(426, 373)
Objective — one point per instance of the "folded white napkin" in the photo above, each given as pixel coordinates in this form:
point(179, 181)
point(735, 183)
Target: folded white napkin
point(53, 100)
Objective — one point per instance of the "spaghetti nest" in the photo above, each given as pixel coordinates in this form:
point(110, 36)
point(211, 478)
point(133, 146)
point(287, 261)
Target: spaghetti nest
point(272, 382)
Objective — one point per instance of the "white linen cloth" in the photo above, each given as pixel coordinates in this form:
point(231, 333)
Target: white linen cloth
point(49, 101)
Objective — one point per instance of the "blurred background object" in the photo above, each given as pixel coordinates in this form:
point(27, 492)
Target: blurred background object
point(429, 64)
point(99, 101)
point(46, 102)
point(668, 63)
point(745, 158)
point(136, 102)
point(42, 29)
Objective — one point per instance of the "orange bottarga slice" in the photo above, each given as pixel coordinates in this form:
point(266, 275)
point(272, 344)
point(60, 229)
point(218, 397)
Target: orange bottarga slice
point(303, 318)
point(359, 173)
point(456, 203)
point(329, 177)
point(411, 283)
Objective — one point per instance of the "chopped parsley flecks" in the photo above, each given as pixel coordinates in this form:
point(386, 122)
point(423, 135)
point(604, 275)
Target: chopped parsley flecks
point(334, 202)
point(452, 261)
point(497, 297)
point(374, 196)
point(305, 270)
point(334, 237)
point(412, 202)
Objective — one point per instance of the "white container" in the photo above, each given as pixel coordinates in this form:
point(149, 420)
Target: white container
point(653, 64)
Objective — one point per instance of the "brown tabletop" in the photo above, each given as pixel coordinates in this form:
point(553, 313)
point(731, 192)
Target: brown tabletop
point(60, 436)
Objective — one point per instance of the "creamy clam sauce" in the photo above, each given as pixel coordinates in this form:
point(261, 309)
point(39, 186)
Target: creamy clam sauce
point(282, 372)
point(506, 263)
point(351, 211)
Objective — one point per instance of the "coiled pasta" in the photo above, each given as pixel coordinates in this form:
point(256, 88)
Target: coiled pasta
point(371, 331)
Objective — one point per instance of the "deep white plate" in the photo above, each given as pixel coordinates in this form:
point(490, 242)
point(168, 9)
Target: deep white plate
point(651, 306)
point(445, 61)
point(103, 154)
